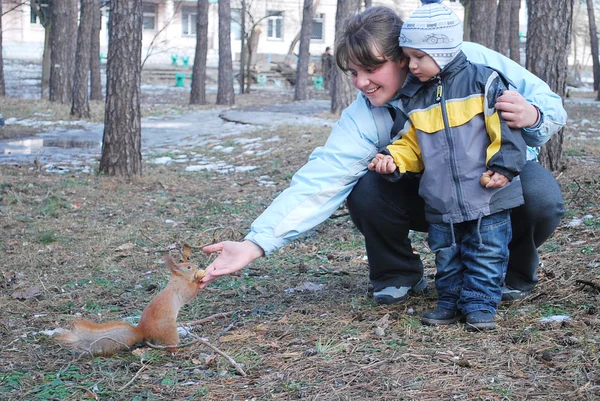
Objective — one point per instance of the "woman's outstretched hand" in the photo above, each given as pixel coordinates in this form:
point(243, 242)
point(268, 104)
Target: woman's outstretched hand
point(234, 256)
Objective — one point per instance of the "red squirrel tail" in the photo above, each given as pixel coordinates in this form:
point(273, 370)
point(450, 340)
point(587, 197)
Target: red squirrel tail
point(100, 338)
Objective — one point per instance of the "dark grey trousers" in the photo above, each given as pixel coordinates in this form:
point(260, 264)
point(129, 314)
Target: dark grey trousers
point(384, 212)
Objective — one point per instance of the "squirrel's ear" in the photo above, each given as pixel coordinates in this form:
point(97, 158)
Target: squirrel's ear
point(187, 252)
point(170, 263)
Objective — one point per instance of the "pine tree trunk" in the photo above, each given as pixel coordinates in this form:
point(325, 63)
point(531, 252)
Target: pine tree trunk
point(342, 91)
point(2, 84)
point(122, 141)
point(594, 45)
point(198, 93)
point(503, 32)
point(46, 62)
point(62, 51)
point(81, 104)
point(548, 38)
point(514, 35)
point(304, 55)
point(225, 94)
point(95, 74)
point(482, 21)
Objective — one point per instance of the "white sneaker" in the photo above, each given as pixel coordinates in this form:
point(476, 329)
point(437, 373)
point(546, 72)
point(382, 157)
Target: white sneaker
point(395, 295)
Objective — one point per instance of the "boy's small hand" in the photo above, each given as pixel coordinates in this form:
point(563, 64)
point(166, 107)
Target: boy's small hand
point(383, 164)
point(497, 180)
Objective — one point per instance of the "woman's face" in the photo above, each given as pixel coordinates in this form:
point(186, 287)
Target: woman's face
point(379, 84)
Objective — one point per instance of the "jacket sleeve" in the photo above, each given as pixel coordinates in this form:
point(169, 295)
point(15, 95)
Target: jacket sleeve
point(406, 154)
point(507, 152)
point(323, 183)
point(552, 113)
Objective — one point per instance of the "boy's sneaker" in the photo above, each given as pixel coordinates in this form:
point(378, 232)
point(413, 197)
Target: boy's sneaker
point(396, 295)
point(480, 320)
point(510, 294)
point(441, 316)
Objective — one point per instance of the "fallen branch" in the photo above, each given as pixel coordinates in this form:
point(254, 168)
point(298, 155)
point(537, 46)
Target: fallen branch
point(590, 283)
point(134, 377)
point(232, 361)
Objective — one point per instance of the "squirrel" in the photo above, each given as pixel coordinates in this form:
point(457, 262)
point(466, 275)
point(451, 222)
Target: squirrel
point(157, 324)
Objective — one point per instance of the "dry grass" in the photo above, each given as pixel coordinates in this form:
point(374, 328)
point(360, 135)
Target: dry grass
point(59, 237)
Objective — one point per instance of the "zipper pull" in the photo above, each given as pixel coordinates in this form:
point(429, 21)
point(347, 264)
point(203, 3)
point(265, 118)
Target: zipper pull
point(439, 91)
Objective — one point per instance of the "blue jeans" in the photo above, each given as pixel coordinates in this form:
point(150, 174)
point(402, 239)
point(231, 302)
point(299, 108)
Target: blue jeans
point(471, 262)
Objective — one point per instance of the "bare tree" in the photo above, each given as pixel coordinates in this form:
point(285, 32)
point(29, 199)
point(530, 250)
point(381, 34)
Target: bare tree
point(342, 91)
point(43, 13)
point(198, 92)
point(2, 84)
point(594, 45)
point(225, 93)
point(95, 76)
point(548, 38)
point(482, 21)
point(122, 141)
point(503, 31)
point(62, 44)
point(303, 54)
point(81, 105)
point(514, 38)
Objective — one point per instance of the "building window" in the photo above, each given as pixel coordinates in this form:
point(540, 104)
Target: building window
point(317, 27)
point(236, 23)
point(149, 13)
point(39, 10)
point(188, 20)
point(275, 25)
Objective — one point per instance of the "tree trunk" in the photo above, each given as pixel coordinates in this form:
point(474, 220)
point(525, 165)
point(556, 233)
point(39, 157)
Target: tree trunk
point(548, 38)
point(368, 3)
point(81, 105)
point(304, 55)
point(243, 51)
point(252, 46)
point(482, 21)
point(503, 26)
point(225, 94)
point(62, 53)
point(198, 93)
point(95, 75)
point(342, 91)
point(594, 44)
point(46, 62)
point(466, 20)
point(514, 37)
point(122, 141)
point(2, 84)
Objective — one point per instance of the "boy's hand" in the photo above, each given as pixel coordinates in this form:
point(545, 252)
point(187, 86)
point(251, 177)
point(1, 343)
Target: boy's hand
point(496, 180)
point(383, 164)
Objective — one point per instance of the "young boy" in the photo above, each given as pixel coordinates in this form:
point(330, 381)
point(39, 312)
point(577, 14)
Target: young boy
point(451, 134)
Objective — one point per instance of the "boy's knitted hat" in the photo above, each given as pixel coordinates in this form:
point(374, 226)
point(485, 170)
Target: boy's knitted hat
point(434, 29)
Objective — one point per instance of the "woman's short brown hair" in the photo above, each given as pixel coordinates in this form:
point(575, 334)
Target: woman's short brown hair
point(368, 36)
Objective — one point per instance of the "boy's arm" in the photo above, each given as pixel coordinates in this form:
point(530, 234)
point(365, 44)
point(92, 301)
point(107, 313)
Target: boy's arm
point(507, 152)
point(552, 113)
point(406, 154)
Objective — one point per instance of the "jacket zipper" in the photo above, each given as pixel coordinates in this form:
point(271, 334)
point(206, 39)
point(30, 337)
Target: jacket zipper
point(453, 167)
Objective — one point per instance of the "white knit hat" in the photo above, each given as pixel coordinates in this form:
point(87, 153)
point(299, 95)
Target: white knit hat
point(434, 29)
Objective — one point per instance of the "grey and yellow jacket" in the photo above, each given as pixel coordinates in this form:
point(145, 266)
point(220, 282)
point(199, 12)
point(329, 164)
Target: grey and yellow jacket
point(450, 133)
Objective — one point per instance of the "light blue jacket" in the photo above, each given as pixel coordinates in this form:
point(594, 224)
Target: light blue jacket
point(320, 186)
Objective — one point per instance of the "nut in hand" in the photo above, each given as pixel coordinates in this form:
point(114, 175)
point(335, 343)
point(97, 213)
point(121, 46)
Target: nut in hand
point(485, 178)
point(199, 275)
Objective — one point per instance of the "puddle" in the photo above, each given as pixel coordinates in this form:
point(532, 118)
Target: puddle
point(35, 145)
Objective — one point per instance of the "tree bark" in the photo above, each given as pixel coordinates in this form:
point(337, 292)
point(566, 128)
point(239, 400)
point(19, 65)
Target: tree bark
point(62, 51)
point(304, 55)
point(594, 45)
point(548, 39)
point(198, 93)
point(225, 94)
point(122, 141)
point(482, 21)
point(503, 26)
point(514, 36)
point(2, 84)
point(342, 91)
point(81, 105)
point(95, 74)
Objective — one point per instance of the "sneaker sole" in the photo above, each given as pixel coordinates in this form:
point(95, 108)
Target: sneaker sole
point(480, 326)
point(440, 322)
point(420, 288)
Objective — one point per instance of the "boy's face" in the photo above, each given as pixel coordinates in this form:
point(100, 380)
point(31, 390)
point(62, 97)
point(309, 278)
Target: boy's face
point(421, 64)
point(379, 84)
